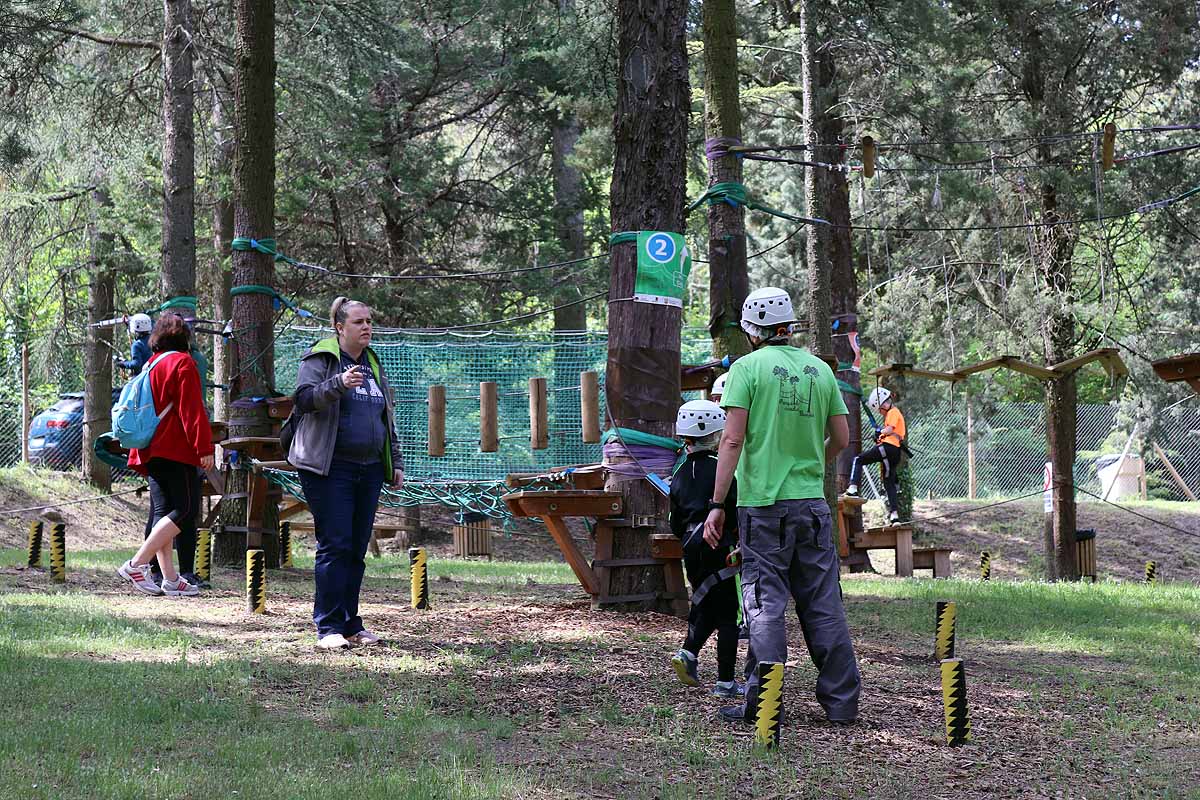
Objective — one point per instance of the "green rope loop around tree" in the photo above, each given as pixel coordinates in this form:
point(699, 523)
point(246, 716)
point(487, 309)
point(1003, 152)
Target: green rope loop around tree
point(736, 194)
point(185, 301)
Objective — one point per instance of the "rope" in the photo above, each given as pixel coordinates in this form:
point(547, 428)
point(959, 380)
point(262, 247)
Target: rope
point(736, 194)
point(72, 502)
point(979, 508)
point(184, 301)
point(1146, 517)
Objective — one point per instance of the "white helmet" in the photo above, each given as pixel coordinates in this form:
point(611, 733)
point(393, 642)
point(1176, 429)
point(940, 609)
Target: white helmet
point(140, 323)
point(877, 398)
point(768, 307)
point(718, 387)
point(699, 418)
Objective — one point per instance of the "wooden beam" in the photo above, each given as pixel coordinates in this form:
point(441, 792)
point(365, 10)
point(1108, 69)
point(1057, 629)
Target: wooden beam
point(1109, 356)
point(1158, 451)
point(1185, 367)
point(570, 551)
point(565, 503)
point(489, 417)
point(908, 369)
point(437, 421)
point(539, 427)
point(589, 405)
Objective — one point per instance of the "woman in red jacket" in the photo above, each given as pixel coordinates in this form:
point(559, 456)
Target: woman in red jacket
point(182, 441)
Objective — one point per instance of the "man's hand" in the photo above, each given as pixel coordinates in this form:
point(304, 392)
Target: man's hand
point(206, 462)
point(713, 526)
point(397, 478)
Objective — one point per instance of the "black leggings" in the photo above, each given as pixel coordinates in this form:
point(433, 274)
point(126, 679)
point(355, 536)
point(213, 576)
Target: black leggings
point(175, 490)
point(888, 457)
point(717, 611)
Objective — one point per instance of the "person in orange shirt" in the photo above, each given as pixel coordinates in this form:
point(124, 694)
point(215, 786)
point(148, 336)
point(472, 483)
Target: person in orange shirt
point(886, 451)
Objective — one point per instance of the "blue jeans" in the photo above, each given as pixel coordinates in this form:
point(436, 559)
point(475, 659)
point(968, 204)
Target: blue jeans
point(343, 507)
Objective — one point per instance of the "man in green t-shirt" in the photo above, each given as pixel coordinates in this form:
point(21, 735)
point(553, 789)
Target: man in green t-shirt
point(781, 404)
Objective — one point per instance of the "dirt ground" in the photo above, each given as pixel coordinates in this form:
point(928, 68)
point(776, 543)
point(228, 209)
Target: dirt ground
point(1012, 533)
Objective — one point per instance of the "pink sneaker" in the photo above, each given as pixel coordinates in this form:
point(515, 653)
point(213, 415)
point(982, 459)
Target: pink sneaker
point(139, 576)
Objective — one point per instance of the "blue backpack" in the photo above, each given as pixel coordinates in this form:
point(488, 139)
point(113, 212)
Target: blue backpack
point(133, 417)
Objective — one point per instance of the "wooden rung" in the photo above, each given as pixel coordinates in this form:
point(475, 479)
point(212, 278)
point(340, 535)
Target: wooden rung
point(665, 545)
point(589, 405)
point(489, 417)
point(565, 503)
point(539, 428)
point(437, 421)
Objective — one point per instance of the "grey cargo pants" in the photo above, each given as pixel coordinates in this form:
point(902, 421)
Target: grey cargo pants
point(787, 548)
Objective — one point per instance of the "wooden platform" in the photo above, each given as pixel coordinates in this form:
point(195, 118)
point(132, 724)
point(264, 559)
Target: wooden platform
point(934, 558)
point(552, 507)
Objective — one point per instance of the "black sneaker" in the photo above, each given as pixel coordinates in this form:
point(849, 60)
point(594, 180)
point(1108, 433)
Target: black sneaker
point(737, 713)
point(194, 579)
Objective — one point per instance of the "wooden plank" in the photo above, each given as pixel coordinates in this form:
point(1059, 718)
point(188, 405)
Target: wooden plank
point(1158, 451)
point(665, 545)
point(1110, 356)
point(291, 509)
point(489, 417)
point(904, 551)
point(589, 405)
point(1033, 370)
point(907, 369)
point(437, 421)
point(1184, 367)
point(844, 529)
point(644, 561)
point(875, 539)
point(699, 381)
point(242, 443)
point(934, 558)
point(565, 503)
point(575, 559)
point(942, 567)
point(391, 529)
point(279, 407)
point(539, 421)
point(578, 476)
point(603, 552)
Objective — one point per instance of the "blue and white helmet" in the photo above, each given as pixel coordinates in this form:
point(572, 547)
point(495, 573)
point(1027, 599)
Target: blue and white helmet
point(699, 418)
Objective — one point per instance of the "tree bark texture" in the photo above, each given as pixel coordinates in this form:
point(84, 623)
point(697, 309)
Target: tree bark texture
point(221, 277)
point(178, 277)
point(253, 216)
point(648, 193)
point(98, 349)
point(728, 281)
point(818, 244)
point(568, 219)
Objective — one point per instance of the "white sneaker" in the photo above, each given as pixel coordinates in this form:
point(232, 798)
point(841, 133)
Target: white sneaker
point(852, 490)
point(180, 587)
point(139, 576)
point(332, 641)
point(894, 517)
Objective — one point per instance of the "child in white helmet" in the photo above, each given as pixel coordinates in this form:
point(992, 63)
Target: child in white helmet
point(715, 601)
point(140, 326)
point(887, 450)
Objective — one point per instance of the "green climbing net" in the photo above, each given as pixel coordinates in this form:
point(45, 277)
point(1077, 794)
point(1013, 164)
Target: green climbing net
point(466, 479)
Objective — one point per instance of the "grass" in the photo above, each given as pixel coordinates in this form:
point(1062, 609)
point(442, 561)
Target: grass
point(1088, 690)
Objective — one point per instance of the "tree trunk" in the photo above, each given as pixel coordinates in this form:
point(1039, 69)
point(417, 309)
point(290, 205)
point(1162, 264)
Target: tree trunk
point(1057, 244)
point(568, 213)
point(819, 244)
point(650, 134)
point(728, 282)
point(98, 349)
point(253, 217)
point(178, 277)
point(221, 278)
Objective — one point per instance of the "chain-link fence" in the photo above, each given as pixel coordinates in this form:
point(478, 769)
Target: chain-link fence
point(1009, 452)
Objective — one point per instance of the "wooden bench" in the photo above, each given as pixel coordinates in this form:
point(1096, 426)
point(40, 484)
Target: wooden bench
point(934, 558)
point(890, 537)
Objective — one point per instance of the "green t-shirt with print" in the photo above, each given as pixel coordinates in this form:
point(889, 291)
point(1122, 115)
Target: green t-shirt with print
point(790, 394)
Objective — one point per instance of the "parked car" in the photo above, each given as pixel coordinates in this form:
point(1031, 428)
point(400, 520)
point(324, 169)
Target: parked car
point(56, 434)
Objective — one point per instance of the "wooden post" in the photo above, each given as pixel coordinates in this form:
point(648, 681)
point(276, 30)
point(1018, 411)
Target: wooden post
point(25, 410)
point(489, 417)
point(589, 405)
point(1162, 456)
point(972, 473)
point(437, 421)
point(539, 427)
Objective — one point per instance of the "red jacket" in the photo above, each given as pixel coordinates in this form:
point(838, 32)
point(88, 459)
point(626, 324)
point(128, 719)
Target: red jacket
point(183, 434)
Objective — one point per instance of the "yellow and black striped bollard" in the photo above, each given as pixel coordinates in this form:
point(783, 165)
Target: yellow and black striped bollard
point(58, 552)
point(256, 581)
point(285, 545)
point(35, 544)
point(985, 566)
point(954, 699)
point(770, 704)
point(943, 646)
point(420, 577)
point(1151, 572)
point(203, 566)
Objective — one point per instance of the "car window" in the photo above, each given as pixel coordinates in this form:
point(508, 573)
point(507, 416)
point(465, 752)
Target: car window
point(68, 405)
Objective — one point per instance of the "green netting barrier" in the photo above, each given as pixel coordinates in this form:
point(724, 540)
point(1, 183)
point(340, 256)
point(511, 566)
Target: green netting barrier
point(465, 478)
